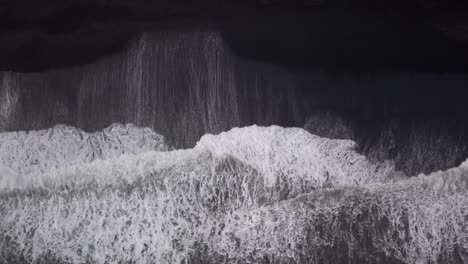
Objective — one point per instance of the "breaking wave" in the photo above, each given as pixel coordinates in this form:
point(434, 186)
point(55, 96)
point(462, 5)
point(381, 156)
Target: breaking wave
point(29, 154)
point(416, 146)
point(249, 195)
point(182, 83)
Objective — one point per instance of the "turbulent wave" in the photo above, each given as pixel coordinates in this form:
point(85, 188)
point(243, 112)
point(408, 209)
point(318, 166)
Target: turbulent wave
point(187, 82)
point(295, 154)
point(252, 194)
point(415, 147)
point(26, 155)
point(182, 83)
point(8, 101)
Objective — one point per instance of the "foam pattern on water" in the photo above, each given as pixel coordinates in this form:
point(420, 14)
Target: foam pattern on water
point(254, 194)
point(295, 154)
point(27, 155)
point(393, 223)
point(8, 100)
point(183, 83)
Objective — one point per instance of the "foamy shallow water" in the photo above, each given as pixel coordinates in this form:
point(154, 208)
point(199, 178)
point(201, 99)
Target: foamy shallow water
point(253, 194)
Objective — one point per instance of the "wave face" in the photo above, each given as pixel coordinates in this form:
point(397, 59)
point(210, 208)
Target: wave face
point(181, 83)
point(185, 83)
point(8, 101)
point(249, 195)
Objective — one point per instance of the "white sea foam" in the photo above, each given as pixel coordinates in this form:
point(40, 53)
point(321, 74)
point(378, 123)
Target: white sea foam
point(28, 155)
point(452, 180)
point(282, 156)
point(244, 195)
point(296, 154)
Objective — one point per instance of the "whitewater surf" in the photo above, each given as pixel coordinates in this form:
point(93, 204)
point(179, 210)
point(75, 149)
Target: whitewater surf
point(249, 195)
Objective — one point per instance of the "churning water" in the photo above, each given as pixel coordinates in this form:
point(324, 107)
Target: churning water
point(175, 188)
point(252, 194)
